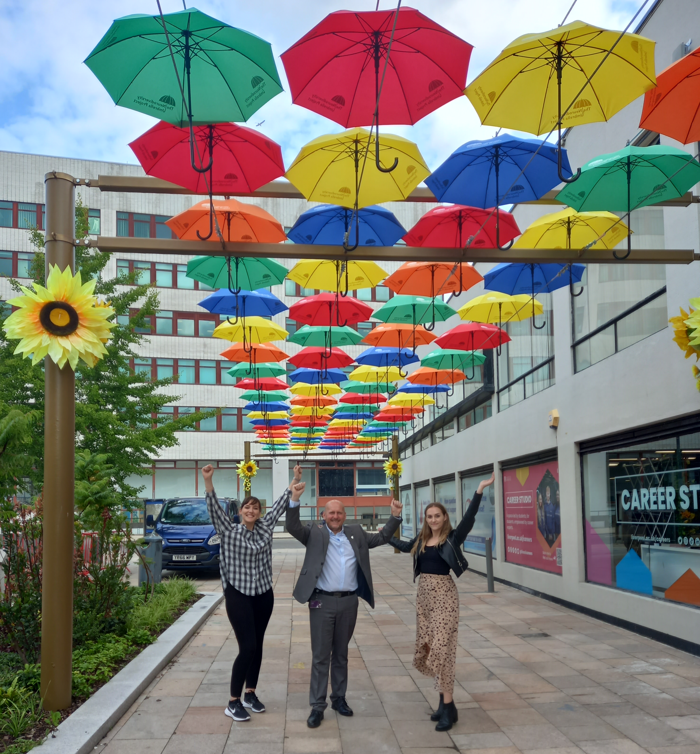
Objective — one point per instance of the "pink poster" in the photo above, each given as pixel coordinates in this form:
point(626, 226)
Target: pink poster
point(531, 510)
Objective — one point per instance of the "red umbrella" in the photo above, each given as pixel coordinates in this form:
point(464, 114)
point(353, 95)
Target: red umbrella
point(363, 398)
point(321, 358)
point(452, 227)
point(472, 336)
point(264, 383)
point(308, 421)
point(327, 309)
point(239, 159)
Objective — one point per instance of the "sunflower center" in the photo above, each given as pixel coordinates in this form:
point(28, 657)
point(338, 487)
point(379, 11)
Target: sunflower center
point(59, 318)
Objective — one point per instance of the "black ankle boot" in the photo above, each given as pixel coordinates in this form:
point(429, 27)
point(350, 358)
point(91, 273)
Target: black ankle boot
point(448, 718)
point(438, 712)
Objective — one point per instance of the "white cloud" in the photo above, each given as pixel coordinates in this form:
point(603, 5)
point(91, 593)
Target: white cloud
point(50, 103)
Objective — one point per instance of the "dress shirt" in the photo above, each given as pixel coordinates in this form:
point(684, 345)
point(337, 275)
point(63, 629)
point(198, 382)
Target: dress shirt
point(339, 572)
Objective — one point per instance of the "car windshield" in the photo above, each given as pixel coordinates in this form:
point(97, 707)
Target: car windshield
point(186, 512)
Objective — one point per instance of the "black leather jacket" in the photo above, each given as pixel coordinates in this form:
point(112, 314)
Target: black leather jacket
point(451, 549)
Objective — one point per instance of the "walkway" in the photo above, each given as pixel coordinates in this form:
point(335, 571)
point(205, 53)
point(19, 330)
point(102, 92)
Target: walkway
point(532, 678)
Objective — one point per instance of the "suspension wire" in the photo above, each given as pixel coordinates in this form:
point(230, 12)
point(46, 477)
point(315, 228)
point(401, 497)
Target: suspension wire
point(565, 17)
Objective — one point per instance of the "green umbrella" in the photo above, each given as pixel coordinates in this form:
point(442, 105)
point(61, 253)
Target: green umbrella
point(354, 408)
point(415, 310)
point(227, 74)
point(367, 387)
point(630, 178)
point(313, 335)
point(244, 370)
point(444, 358)
point(262, 396)
point(239, 273)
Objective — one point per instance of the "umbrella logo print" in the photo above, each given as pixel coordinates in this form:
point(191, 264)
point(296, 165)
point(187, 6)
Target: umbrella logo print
point(582, 103)
point(434, 84)
point(411, 169)
point(166, 99)
point(339, 100)
point(256, 81)
point(492, 96)
point(231, 177)
point(344, 190)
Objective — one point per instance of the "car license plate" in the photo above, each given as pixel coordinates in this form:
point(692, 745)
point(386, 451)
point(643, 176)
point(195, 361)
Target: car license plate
point(184, 557)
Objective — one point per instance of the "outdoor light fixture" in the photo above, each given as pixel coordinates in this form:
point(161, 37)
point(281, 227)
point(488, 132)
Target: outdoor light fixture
point(554, 418)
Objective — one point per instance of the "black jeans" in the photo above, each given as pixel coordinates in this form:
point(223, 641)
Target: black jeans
point(249, 616)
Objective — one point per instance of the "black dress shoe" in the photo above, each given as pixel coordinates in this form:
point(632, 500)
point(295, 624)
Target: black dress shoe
point(315, 718)
point(341, 707)
point(449, 717)
point(435, 716)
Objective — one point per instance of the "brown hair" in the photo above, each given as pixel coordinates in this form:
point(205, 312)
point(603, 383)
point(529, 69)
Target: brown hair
point(426, 532)
point(250, 500)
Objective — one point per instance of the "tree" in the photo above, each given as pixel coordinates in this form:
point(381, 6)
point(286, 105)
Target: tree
point(114, 406)
point(17, 426)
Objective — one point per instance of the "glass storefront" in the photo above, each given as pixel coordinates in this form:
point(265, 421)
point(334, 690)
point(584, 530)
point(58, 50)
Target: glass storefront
point(446, 493)
point(485, 523)
point(422, 495)
point(641, 518)
point(407, 514)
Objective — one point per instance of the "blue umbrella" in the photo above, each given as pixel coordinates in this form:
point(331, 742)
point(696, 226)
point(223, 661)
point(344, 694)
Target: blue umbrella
point(268, 407)
point(409, 387)
point(318, 376)
point(354, 417)
point(243, 304)
point(328, 224)
point(269, 422)
point(504, 170)
point(383, 356)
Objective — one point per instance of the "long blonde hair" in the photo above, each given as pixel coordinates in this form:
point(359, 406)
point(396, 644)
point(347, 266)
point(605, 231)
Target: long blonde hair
point(426, 532)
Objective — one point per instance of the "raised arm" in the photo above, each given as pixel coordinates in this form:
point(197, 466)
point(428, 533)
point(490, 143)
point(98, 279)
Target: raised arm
point(219, 519)
point(467, 522)
point(401, 545)
point(273, 515)
point(293, 522)
point(382, 537)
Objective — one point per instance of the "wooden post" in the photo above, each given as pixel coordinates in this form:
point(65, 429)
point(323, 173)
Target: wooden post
point(395, 490)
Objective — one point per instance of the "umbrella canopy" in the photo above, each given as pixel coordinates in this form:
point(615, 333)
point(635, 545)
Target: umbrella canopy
point(328, 225)
point(313, 335)
point(364, 398)
point(328, 169)
point(519, 278)
point(318, 376)
point(450, 359)
point(352, 408)
point(354, 386)
point(227, 74)
point(404, 399)
point(248, 273)
point(428, 376)
point(266, 383)
point(473, 336)
point(256, 371)
point(372, 374)
point(383, 356)
point(325, 275)
point(309, 390)
point(237, 221)
point(266, 406)
point(333, 70)
point(672, 108)
point(262, 396)
point(270, 422)
point(311, 411)
point(569, 229)
point(250, 330)
point(269, 415)
point(243, 304)
point(321, 358)
point(327, 309)
point(496, 307)
point(241, 159)
point(396, 335)
point(408, 389)
point(254, 354)
point(414, 310)
point(458, 226)
point(433, 279)
point(319, 400)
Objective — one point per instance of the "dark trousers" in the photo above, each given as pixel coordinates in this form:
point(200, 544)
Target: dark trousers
point(332, 626)
point(249, 616)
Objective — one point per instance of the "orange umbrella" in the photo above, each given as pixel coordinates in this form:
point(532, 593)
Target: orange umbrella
point(255, 354)
point(307, 400)
point(394, 335)
point(429, 376)
point(237, 221)
point(433, 278)
point(673, 107)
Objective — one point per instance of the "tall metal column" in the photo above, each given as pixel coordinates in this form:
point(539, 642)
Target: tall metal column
point(59, 471)
point(395, 486)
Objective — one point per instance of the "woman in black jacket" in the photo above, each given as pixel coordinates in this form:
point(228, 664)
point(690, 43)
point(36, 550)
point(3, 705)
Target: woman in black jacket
point(436, 551)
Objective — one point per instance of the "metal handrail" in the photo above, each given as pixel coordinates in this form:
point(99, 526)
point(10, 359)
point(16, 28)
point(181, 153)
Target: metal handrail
point(524, 375)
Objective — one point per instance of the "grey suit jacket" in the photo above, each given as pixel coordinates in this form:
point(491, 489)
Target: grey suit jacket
point(315, 538)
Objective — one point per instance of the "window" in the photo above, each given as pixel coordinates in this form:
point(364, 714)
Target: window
point(164, 275)
point(139, 225)
point(21, 215)
point(209, 424)
point(15, 264)
point(186, 374)
point(184, 411)
point(336, 482)
point(183, 281)
point(143, 366)
point(290, 325)
point(183, 324)
point(6, 265)
point(94, 222)
point(27, 216)
point(162, 230)
point(229, 419)
point(294, 289)
point(164, 323)
point(164, 369)
point(123, 224)
point(165, 415)
point(6, 214)
point(224, 377)
point(207, 373)
point(365, 328)
point(190, 371)
point(372, 481)
point(206, 328)
point(379, 293)
point(143, 273)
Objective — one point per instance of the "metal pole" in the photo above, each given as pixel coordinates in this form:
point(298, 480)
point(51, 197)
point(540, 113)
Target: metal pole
point(246, 458)
point(489, 566)
point(59, 471)
point(395, 490)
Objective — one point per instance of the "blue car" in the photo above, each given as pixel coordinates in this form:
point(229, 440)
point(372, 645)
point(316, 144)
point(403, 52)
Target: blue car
point(189, 540)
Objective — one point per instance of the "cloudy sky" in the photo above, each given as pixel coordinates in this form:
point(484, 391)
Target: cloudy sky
point(50, 103)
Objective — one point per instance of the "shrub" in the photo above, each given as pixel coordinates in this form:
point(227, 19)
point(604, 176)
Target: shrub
point(156, 613)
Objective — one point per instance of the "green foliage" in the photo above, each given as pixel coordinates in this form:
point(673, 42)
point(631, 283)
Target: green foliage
point(154, 614)
point(95, 662)
point(17, 427)
point(20, 710)
point(10, 665)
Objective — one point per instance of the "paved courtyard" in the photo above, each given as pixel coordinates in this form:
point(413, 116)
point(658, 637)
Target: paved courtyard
point(532, 678)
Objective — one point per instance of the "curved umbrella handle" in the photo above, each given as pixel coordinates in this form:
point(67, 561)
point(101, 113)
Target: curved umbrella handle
point(376, 158)
point(356, 212)
point(498, 240)
point(238, 289)
point(571, 284)
point(211, 219)
point(629, 246)
point(203, 169)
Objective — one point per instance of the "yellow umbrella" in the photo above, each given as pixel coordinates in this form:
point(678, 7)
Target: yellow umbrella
point(494, 307)
point(311, 411)
point(304, 388)
point(267, 415)
point(569, 229)
point(326, 275)
point(328, 169)
point(538, 77)
point(376, 374)
point(406, 399)
point(347, 422)
point(250, 330)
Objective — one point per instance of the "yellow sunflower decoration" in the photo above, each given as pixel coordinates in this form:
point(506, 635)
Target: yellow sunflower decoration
point(64, 320)
point(246, 471)
point(393, 468)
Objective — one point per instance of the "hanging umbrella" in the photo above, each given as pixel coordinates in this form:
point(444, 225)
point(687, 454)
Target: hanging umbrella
point(495, 307)
point(318, 376)
point(268, 415)
point(672, 108)
point(433, 279)
point(262, 370)
point(240, 160)
point(408, 389)
point(238, 222)
point(312, 411)
point(458, 226)
point(631, 178)
point(264, 396)
point(251, 330)
point(313, 335)
point(568, 229)
point(450, 359)
point(362, 398)
point(255, 355)
point(434, 377)
point(266, 406)
point(383, 356)
point(248, 273)
point(415, 310)
point(336, 276)
point(350, 408)
point(378, 375)
point(308, 389)
point(473, 336)
point(405, 399)
point(227, 74)
point(330, 225)
point(395, 335)
point(325, 309)
point(321, 358)
point(328, 169)
point(319, 400)
point(545, 81)
point(354, 386)
point(266, 383)
point(244, 303)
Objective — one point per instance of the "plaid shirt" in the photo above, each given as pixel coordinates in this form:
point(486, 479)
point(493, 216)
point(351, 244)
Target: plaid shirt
point(246, 556)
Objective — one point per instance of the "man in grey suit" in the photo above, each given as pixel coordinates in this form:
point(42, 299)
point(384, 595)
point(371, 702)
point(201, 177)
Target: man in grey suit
point(335, 572)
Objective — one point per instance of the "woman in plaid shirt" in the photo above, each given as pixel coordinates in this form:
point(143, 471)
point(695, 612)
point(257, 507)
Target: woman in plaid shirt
point(246, 576)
